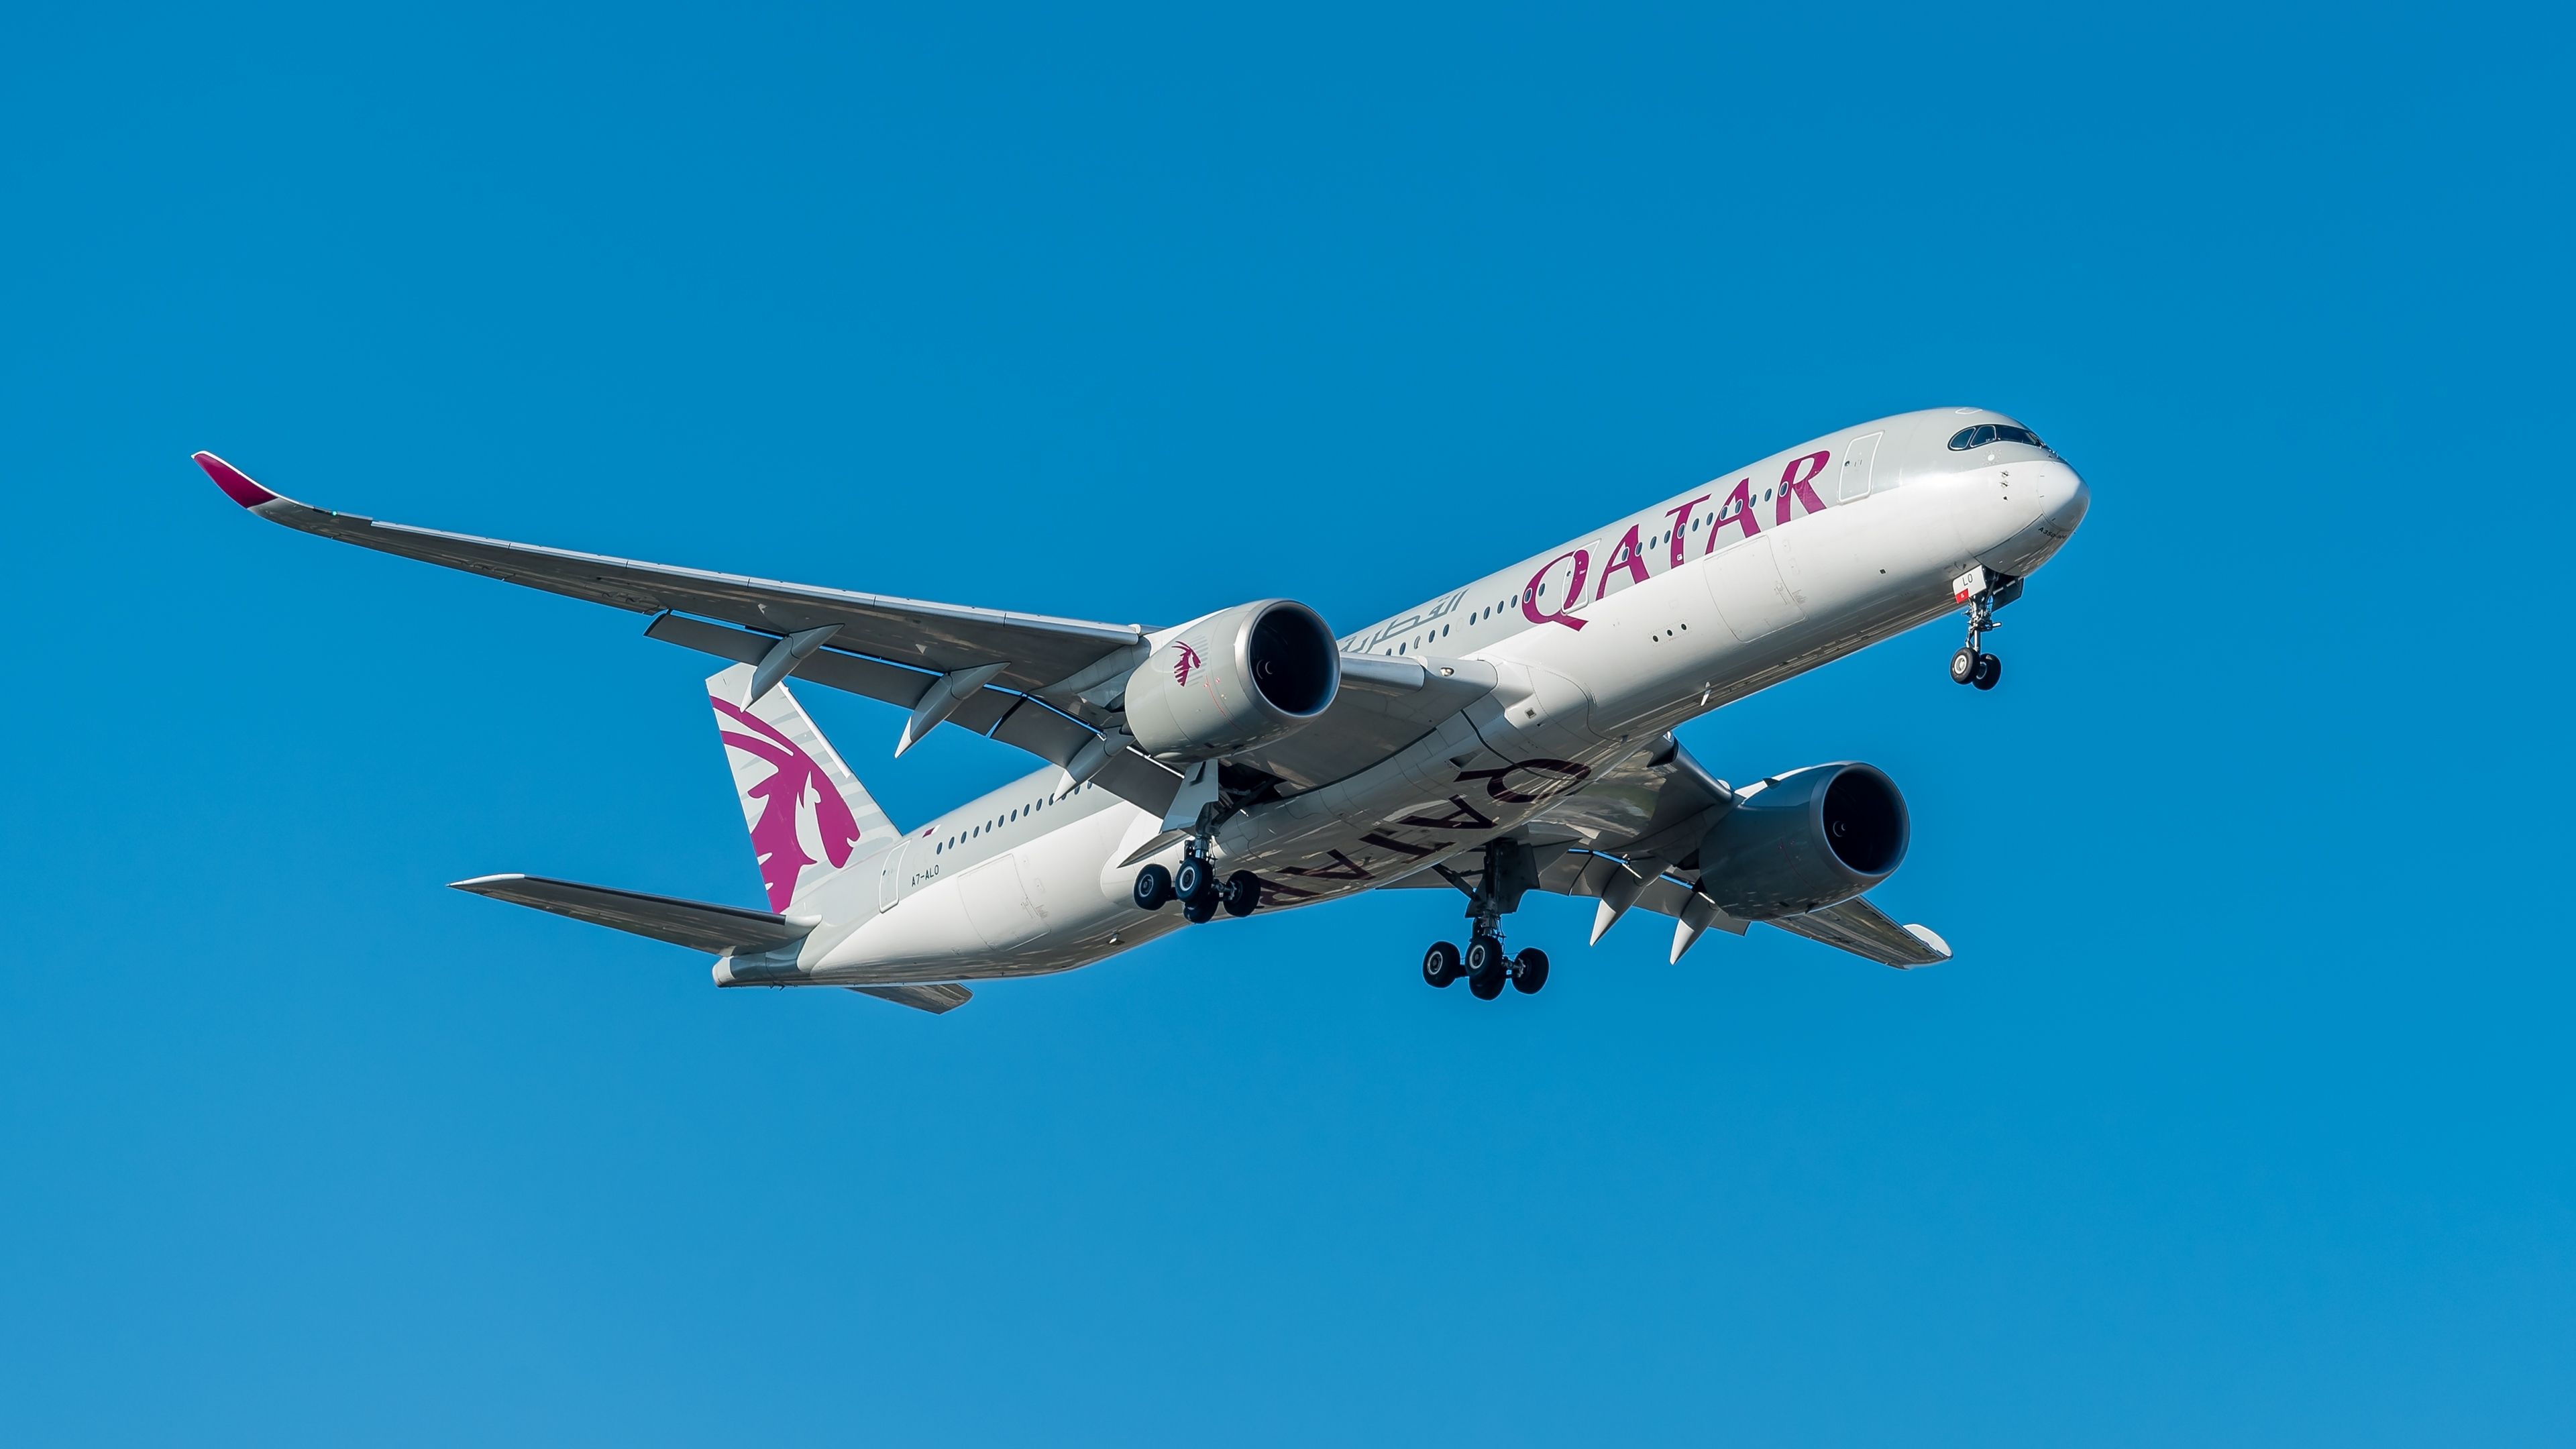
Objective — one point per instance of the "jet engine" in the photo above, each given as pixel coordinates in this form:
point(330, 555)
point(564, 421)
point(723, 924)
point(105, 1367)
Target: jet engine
point(1238, 678)
point(1804, 840)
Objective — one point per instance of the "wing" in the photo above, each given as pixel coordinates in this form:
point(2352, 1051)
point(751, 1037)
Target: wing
point(984, 668)
point(1035, 652)
point(1630, 838)
point(1018, 678)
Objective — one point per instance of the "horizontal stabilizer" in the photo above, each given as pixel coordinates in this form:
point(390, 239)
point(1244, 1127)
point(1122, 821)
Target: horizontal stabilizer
point(945, 996)
point(697, 924)
point(1868, 932)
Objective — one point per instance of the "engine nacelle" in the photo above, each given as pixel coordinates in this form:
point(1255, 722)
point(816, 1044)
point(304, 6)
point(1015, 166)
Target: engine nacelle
point(1238, 678)
point(1809, 839)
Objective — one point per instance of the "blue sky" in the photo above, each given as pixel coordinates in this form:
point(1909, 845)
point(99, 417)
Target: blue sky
point(2242, 1117)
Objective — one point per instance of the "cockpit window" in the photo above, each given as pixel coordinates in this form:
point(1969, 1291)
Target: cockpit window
point(1985, 433)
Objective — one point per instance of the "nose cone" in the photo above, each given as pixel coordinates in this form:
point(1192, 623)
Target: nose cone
point(2068, 498)
point(2034, 513)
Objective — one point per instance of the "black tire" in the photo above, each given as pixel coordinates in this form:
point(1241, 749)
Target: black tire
point(1198, 910)
point(1990, 671)
point(1529, 970)
point(1963, 666)
point(1488, 985)
point(1191, 878)
point(1241, 893)
point(1153, 888)
point(1484, 954)
point(1440, 964)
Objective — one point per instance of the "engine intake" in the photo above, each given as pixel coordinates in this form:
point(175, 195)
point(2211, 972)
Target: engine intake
point(1809, 839)
point(1238, 678)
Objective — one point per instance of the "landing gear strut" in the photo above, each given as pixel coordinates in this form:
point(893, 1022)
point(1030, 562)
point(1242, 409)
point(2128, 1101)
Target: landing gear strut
point(1984, 593)
point(1494, 893)
point(1194, 884)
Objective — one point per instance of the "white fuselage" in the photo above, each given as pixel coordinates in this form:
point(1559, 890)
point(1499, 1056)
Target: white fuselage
point(1599, 646)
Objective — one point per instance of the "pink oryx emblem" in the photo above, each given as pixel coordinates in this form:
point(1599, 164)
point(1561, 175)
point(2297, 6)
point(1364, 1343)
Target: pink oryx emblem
point(795, 786)
point(1189, 661)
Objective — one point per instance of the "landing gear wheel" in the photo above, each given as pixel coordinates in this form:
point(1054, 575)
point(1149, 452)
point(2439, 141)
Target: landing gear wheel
point(1963, 666)
point(1990, 671)
point(1240, 893)
point(1192, 878)
point(1199, 909)
point(1484, 954)
point(1440, 964)
point(1529, 970)
point(1153, 888)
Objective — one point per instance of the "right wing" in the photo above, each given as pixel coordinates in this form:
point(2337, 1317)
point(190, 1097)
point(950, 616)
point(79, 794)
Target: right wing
point(1036, 652)
point(895, 650)
point(1018, 678)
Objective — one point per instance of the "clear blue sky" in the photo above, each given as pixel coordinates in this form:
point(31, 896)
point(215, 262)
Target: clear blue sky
point(2243, 1116)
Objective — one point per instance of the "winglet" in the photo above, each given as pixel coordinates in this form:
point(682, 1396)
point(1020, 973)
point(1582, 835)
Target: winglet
point(236, 484)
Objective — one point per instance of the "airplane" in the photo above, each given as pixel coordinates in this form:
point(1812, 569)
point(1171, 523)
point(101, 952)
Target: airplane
point(1512, 734)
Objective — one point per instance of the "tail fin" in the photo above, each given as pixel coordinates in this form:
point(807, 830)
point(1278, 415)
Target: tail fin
point(810, 818)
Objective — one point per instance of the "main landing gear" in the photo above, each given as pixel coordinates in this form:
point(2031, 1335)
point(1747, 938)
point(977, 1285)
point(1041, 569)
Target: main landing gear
point(1195, 884)
point(1485, 967)
point(1985, 593)
point(1496, 893)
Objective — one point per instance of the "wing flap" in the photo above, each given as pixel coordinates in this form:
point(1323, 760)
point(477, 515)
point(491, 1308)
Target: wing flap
point(700, 925)
point(1003, 714)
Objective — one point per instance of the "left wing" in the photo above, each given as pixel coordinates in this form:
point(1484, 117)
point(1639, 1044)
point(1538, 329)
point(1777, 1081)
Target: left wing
point(1630, 837)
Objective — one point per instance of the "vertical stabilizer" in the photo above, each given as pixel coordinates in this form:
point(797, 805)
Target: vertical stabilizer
point(810, 818)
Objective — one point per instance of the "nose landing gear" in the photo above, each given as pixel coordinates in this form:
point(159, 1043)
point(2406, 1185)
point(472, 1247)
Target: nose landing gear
point(1983, 593)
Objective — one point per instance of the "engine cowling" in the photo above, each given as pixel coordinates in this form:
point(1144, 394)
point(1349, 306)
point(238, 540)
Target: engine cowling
point(1810, 838)
point(1238, 678)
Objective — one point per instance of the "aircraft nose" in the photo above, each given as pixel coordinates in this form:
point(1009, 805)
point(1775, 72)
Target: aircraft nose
point(2068, 500)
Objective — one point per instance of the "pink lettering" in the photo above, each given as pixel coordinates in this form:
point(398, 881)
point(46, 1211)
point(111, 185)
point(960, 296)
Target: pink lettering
point(1737, 509)
point(1627, 555)
point(1681, 526)
point(1573, 591)
point(1791, 480)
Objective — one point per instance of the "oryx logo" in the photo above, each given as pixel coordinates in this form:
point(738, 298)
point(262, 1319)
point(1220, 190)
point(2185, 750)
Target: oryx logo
point(802, 814)
point(1189, 664)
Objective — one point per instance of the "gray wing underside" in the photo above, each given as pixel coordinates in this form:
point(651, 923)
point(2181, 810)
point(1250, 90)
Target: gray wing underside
point(1645, 816)
point(1037, 650)
point(895, 649)
point(1008, 715)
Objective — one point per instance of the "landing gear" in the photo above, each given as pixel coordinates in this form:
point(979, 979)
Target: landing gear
point(1985, 593)
point(1486, 967)
point(1240, 894)
point(1494, 893)
point(1153, 888)
point(1195, 885)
